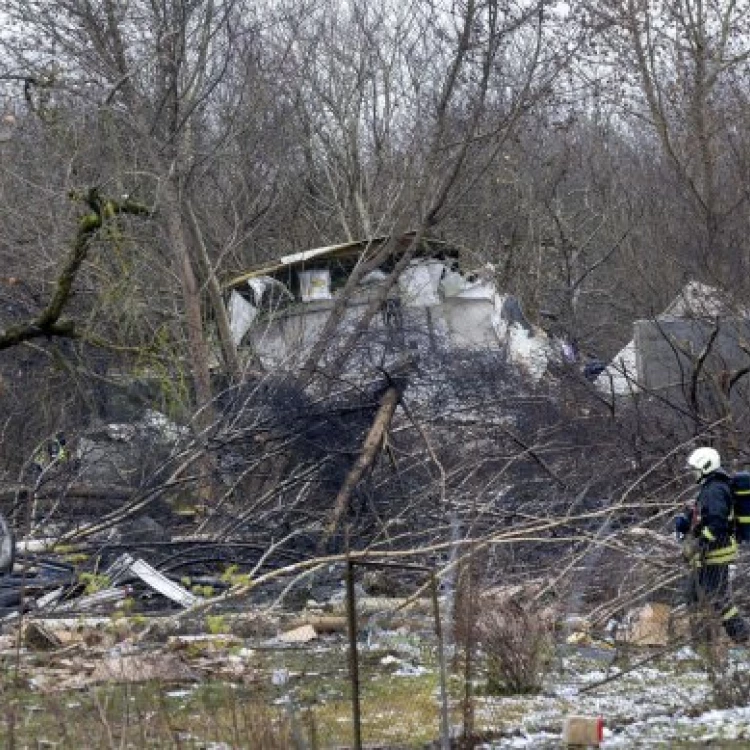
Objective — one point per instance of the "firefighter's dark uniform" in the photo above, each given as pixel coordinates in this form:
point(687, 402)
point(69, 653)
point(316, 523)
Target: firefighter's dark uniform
point(712, 546)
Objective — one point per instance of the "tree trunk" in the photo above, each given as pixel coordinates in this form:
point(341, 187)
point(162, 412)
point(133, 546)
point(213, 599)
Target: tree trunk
point(197, 346)
point(228, 349)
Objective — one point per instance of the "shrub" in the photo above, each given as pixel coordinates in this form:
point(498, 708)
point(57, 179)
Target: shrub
point(518, 645)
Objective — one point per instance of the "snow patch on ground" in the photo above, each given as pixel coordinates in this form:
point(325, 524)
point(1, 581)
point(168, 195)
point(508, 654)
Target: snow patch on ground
point(654, 706)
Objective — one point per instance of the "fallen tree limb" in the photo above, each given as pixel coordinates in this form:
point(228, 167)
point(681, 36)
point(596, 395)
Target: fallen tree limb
point(538, 531)
point(370, 449)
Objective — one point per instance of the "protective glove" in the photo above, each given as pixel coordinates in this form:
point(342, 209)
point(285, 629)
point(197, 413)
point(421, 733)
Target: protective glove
point(691, 547)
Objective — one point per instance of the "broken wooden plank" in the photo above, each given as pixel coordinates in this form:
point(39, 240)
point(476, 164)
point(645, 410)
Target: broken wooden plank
point(647, 625)
point(302, 634)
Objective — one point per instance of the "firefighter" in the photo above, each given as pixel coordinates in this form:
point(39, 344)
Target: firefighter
point(708, 541)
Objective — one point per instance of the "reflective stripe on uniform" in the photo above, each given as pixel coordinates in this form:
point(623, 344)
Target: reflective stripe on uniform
point(724, 559)
point(730, 613)
point(723, 555)
point(708, 534)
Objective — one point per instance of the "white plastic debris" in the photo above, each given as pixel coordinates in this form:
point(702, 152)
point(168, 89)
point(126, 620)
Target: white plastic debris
point(241, 316)
point(527, 346)
point(410, 670)
point(390, 659)
point(279, 677)
point(620, 375)
point(419, 282)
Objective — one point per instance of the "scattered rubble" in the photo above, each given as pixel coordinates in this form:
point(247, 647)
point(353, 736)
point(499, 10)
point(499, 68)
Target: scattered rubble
point(303, 634)
point(36, 636)
point(204, 643)
point(143, 668)
point(323, 624)
point(74, 622)
point(648, 625)
point(370, 605)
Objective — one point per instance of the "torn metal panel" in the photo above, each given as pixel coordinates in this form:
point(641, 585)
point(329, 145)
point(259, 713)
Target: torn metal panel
point(243, 312)
point(49, 598)
point(331, 251)
point(432, 300)
point(241, 316)
point(127, 565)
point(119, 568)
point(657, 357)
point(347, 251)
point(620, 376)
point(162, 584)
point(419, 282)
point(697, 300)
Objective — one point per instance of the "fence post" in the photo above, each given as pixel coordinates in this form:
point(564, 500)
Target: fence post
point(445, 739)
point(351, 612)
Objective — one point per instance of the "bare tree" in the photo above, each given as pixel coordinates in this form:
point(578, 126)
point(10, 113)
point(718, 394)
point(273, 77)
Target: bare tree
point(148, 74)
point(678, 64)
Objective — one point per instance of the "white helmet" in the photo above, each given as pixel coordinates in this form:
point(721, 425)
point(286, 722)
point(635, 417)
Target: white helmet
point(703, 461)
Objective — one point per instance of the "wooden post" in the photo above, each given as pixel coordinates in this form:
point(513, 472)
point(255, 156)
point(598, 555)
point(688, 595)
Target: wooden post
point(445, 739)
point(351, 611)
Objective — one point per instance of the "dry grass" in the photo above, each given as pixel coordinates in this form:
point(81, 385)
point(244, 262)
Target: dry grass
point(147, 716)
